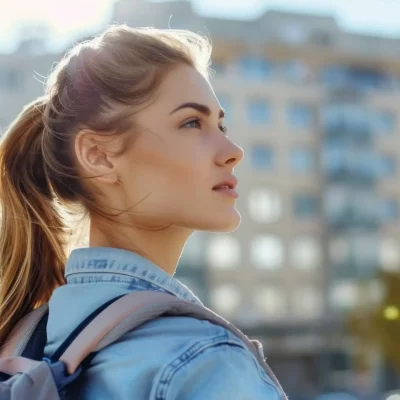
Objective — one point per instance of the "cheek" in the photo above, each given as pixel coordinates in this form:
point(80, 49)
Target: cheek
point(184, 177)
point(167, 172)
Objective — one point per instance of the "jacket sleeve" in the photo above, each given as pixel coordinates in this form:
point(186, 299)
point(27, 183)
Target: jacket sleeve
point(221, 371)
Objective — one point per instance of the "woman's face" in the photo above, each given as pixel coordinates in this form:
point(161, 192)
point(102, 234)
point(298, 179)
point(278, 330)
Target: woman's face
point(171, 173)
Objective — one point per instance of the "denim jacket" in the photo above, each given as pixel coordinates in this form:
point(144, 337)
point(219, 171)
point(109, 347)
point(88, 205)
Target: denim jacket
point(164, 359)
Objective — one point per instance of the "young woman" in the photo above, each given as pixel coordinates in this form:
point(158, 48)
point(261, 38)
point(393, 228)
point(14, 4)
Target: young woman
point(130, 131)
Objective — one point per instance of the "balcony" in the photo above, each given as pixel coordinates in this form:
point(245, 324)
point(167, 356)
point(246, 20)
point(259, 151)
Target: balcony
point(343, 174)
point(349, 122)
point(348, 208)
point(349, 166)
point(354, 255)
point(355, 131)
point(359, 266)
point(356, 79)
point(354, 216)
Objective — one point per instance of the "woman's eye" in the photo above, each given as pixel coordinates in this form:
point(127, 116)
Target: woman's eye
point(197, 124)
point(193, 124)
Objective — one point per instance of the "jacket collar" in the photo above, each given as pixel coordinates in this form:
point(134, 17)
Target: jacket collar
point(95, 261)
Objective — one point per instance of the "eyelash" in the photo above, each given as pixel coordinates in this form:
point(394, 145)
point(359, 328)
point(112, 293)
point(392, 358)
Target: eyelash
point(223, 128)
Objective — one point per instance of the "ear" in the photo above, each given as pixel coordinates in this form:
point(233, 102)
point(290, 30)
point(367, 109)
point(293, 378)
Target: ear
point(94, 157)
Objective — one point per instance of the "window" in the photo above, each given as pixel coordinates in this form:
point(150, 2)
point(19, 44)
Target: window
point(365, 205)
point(340, 361)
point(302, 160)
point(361, 78)
point(337, 199)
point(293, 33)
point(270, 301)
point(258, 112)
point(254, 68)
point(358, 250)
point(261, 157)
point(344, 295)
point(388, 166)
point(385, 122)
point(307, 302)
point(224, 252)
point(296, 72)
point(226, 299)
point(364, 252)
point(306, 253)
point(339, 250)
point(321, 38)
point(345, 206)
point(300, 116)
point(267, 252)
point(389, 256)
point(334, 75)
point(265, 206)
point(306, 206)
point(390, 209)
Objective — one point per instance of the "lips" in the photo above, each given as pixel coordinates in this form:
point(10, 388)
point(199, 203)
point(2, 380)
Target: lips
point(229, 183)
point(222, 186)
point(227, 187)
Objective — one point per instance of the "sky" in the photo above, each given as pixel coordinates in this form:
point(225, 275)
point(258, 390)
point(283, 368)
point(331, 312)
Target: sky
point(70, 19)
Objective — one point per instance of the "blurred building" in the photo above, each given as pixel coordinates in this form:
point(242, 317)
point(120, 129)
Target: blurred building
point(316, 110)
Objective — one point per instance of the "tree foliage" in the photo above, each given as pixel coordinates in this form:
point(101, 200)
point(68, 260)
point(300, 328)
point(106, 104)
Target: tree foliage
point(380, 325)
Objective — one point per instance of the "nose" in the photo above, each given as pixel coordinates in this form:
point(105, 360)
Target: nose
point(230, 155)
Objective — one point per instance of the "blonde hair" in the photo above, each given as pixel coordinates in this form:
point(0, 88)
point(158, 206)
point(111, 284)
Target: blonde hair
point(122, 67)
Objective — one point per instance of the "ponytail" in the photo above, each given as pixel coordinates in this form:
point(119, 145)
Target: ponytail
point(32, 256)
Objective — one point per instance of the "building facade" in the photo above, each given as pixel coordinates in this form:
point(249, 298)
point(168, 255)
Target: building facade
point(316, 110)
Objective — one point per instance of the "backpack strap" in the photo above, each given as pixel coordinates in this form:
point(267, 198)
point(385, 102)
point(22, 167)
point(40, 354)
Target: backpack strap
point(17, 365)
point(34, 349)
point(128, 312)
point(22, 332)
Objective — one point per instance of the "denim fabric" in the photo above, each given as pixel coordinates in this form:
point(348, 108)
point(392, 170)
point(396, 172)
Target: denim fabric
point(168, 358)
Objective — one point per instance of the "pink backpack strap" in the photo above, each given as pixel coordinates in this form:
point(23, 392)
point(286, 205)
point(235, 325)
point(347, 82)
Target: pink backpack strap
point(17, 365)
point(134, 309)
point(19, 336)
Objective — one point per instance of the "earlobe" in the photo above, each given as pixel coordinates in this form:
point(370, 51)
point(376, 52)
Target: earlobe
point(93, 159)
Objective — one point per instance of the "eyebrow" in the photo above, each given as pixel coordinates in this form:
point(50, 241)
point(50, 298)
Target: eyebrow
point(199, 107)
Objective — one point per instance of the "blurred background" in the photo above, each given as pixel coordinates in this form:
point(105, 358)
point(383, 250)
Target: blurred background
point(312, 94)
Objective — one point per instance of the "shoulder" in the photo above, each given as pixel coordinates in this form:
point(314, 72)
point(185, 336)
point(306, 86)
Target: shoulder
point(211, 363)
point(163, 339)
point(179, 357)
point(171, 334)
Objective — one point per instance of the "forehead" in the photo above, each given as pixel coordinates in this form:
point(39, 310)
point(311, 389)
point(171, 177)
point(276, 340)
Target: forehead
point(185, 84)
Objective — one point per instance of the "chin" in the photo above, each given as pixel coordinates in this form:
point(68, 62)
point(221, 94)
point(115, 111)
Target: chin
point(222, 223)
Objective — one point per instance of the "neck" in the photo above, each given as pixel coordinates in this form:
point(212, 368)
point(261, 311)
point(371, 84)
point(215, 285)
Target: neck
point(161, 247)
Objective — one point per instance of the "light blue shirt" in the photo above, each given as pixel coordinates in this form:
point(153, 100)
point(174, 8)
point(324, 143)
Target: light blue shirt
point(169, 358)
